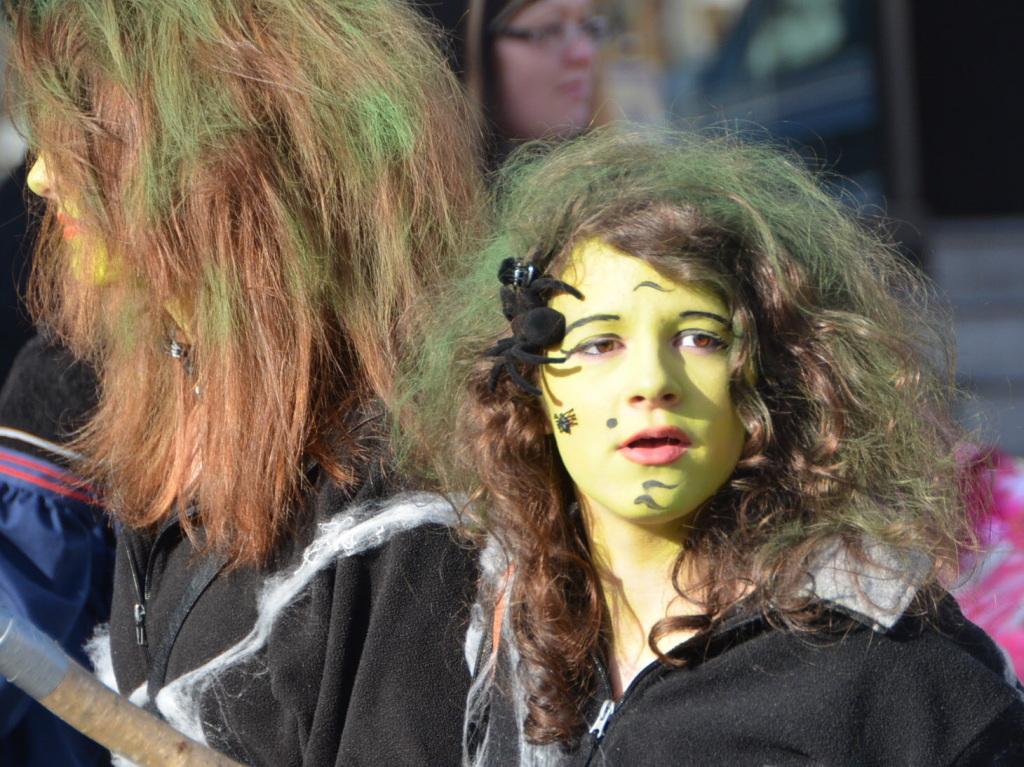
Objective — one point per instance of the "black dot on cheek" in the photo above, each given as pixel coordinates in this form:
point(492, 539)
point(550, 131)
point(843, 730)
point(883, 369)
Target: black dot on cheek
point(612, 423)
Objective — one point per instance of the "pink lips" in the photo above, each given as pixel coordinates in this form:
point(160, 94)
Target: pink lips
point(655, 446)
point(578, 90)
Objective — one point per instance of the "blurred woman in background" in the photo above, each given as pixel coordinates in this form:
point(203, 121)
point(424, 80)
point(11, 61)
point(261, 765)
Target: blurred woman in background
point(529, 65)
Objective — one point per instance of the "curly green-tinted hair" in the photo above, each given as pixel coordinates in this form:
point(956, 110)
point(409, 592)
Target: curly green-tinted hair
point(268, 184)
point(841, 373)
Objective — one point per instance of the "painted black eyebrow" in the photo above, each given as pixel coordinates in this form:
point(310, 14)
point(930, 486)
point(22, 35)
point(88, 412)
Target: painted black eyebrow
point(709, 315)
point(591, 318)
point(649, 284)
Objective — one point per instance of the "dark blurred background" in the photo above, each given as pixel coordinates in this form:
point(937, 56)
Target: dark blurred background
point(15, 240)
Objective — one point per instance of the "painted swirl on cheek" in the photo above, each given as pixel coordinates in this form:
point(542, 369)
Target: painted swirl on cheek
point(649, 502)
point(655, 483)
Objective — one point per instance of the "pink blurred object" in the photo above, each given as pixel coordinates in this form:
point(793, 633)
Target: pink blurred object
point(993, 594)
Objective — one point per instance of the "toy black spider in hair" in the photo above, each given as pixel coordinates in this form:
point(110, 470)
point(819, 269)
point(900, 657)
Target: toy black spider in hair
point(535, 326)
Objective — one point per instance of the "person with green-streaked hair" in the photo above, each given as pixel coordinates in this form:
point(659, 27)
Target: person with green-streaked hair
point(245, 200)
point(707, 418)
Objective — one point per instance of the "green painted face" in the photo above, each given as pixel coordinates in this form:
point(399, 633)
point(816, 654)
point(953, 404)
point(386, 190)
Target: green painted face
point(641, 409)
point(89, 259)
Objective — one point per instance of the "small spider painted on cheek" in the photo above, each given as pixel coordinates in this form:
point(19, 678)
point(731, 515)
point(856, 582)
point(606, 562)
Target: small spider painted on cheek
point(565, 421)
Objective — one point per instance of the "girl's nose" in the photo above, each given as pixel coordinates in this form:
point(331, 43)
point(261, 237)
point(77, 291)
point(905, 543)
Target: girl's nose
point(39, 179)
point(653, 383)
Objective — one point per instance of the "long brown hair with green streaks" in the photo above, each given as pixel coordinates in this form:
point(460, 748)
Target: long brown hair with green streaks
point(841, 373)
point(269, 184)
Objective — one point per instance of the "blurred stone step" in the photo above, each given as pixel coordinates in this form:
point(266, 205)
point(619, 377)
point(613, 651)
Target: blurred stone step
point(979, 262)
point(990, 344)
point(995, 415)
point(979, 265)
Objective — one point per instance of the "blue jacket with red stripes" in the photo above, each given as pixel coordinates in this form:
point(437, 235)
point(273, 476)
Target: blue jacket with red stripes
point(56, 548)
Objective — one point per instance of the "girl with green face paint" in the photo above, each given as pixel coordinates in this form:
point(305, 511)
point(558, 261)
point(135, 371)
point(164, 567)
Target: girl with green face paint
point(715, 463)
point(651, 356)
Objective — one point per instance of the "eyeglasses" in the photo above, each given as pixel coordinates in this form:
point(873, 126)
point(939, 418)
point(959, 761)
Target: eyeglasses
point(558, 36)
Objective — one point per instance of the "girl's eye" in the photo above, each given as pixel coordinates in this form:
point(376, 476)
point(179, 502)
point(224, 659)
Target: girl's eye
point(596, 347)
point(701, 340)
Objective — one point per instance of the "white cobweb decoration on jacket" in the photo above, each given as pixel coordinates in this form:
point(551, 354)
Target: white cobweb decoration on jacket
point(348, 533)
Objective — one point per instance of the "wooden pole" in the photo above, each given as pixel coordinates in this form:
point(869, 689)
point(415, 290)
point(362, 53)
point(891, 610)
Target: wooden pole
point(34, 662)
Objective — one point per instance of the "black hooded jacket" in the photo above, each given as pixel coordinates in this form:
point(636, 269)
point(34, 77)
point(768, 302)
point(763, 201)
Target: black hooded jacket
point(863, 690)
point(348, 651)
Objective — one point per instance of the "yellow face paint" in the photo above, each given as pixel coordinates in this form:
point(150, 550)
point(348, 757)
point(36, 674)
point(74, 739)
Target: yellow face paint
point(88, 257)
point(641, 409)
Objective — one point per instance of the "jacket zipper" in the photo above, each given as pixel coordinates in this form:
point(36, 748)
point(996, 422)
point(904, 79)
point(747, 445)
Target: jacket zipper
point(597, 728)
point(139, 610)
point(143, 587)
point(610, 706)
